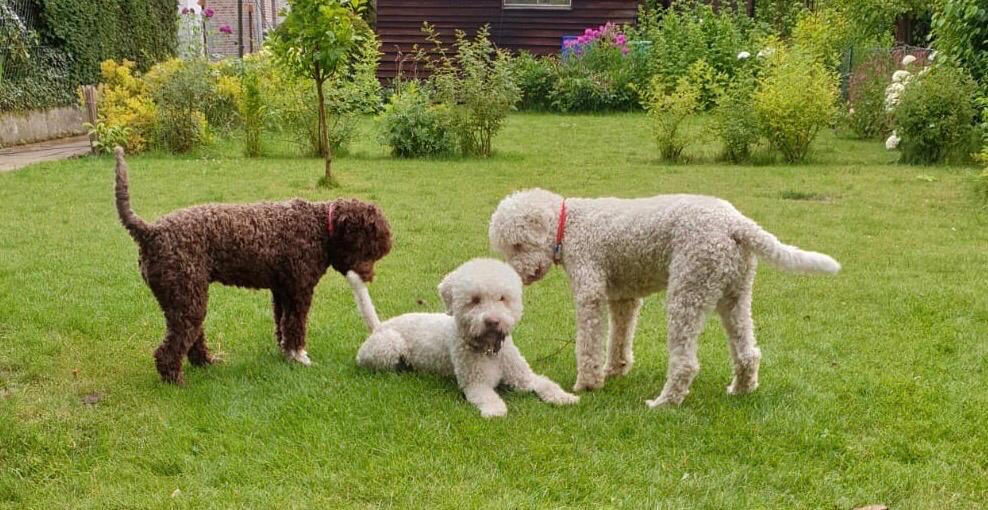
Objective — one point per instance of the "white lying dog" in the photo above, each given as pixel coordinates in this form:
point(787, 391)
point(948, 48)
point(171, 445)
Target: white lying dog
point(472, 341)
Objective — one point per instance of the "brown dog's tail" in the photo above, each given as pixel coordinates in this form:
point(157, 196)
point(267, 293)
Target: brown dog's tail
point(137, 227)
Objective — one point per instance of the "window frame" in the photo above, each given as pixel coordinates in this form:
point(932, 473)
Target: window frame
point(514, 5)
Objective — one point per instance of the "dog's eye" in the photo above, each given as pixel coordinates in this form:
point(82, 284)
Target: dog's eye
point(475, 300)
point(503, 299)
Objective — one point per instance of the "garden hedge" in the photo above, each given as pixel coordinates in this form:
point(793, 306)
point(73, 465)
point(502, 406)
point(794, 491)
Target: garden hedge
point(86, 33)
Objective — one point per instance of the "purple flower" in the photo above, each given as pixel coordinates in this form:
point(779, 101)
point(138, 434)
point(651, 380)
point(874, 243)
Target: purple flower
point(186, 10)
point(224, 28)
point(587, 31)
point(207, 12)
point(619, 40)
point(624, 50)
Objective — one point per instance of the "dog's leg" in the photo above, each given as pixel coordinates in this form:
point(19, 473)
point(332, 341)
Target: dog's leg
point(590, 355)
point(623, 319)
point(199, 353)
point(184, 307)
point(520, 376)
point(486, 399)
point(735, 313)
point(293, 322)
point(277, 305)
point(383, 350)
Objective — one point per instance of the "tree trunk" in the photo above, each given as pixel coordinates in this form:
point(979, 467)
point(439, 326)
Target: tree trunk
point(324, 148)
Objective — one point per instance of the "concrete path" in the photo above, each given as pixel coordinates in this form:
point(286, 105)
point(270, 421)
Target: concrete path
point(12, 158)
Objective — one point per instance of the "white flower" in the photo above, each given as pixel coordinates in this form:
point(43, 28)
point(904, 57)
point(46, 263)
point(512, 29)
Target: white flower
point(767, 52)
point(933, 56)
point(892, 142)
point(901, 76)
point(743, 55)
point(908, 59)
point(892, 93)
point(850, 111)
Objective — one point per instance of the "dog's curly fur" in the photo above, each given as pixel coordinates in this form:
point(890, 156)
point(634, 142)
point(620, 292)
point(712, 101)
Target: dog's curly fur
point(282, 246)
point(471, 342)
point(701, 250)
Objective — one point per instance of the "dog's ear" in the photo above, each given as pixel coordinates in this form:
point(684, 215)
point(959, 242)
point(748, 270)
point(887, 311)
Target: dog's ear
point(446, 292)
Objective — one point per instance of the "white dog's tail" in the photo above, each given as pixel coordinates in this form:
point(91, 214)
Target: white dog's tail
point(783, 256)
point(364, 304)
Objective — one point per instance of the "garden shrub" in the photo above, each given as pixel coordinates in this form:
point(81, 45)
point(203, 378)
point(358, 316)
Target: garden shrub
point(535, 78)
point(74, 37)
point(823, 34)
point(935, 115)
point(795, 97)
point(252, 110)
point(734, 122)
point(126, 113)
point(960, 33)
point(412, 126)
point(866, 113)
point(183, 94)
point(671, 114)
point(578, 92)
point(688, 32)
point(475, 84)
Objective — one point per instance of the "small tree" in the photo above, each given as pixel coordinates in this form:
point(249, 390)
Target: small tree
point(315, 41)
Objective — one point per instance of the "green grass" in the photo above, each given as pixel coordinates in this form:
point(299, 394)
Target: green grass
point(873, 384)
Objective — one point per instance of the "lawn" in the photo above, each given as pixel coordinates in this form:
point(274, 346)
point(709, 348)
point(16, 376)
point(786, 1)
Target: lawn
point(873, 383)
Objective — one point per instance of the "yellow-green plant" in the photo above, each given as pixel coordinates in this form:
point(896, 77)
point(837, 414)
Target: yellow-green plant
point(671, 115)
point(123, 102)
point(795, 97)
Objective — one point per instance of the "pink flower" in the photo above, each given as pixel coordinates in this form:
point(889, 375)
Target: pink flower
point(587, 31)
point(207, 12)
point(624, 50)
point(224, 28)
point(619, 40)
point(186, 10)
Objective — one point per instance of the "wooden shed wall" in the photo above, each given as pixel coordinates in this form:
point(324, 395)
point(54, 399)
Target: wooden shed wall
point(399, 23)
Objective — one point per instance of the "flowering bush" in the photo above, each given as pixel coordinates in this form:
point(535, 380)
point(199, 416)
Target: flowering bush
point(795, 97)
point(935, 115)
point(608, 35)
point(126, 113)
point(599, 72)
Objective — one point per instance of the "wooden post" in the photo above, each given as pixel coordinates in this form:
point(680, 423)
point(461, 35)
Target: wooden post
point(751, 8)
point(240, 28)
point(250, 26)
point(89, 96)
point(274, 15)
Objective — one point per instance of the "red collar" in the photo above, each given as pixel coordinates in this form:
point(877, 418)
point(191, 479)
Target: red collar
point(329, 219)
point(557, 250)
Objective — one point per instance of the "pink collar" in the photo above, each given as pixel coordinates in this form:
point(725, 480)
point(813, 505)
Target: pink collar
point(557, 250)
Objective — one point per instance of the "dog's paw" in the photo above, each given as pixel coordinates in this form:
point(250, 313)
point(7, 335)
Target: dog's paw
point(619, 369)
point(561, 398)
point(665, 401)
point(585, 385)
point(736, 388)
point(299, 356)
point(494, 411)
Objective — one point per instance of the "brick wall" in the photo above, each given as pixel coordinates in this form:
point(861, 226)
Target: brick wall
point(258, 16)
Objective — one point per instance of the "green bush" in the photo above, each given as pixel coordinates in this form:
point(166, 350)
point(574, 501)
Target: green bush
point(935, 116)
point(475, 84)
point(960, 33)
point(75, 37)
point(671, 114)
point(535, 78)
point(183, 94)
point(689, 32)
point(823, 34)
point(866, 115)
point(795, 97)
point(414, 127)
point(252, 109)
point(734, 122)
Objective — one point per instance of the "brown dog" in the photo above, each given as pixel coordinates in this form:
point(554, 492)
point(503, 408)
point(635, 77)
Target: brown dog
point(282, 246)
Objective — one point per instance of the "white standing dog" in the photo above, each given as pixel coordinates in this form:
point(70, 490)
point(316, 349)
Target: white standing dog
point(701, 250)
point(471, 342)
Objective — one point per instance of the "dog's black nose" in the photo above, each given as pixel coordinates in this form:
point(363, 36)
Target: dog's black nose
point(492, 323)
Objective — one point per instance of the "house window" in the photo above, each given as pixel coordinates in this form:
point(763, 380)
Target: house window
point(537, 4)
